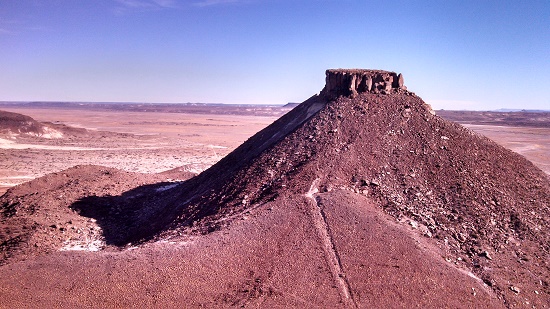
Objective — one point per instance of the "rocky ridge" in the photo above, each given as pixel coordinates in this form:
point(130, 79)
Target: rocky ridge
point(14, 125)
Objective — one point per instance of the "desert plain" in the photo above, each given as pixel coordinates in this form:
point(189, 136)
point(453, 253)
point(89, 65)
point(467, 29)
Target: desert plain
point(151, 140)
point(135, 141)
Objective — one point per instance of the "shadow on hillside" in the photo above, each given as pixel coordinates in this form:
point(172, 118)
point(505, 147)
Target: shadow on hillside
point(133, 215)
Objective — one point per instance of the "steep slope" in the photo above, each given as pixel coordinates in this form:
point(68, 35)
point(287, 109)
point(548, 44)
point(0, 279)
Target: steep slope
point(482, 204)
point(485, 206)
point(359, 197)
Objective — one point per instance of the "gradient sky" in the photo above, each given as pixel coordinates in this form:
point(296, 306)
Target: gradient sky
point(454, 54)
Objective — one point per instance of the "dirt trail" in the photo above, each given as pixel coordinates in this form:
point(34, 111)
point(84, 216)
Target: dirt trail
point(329, 248)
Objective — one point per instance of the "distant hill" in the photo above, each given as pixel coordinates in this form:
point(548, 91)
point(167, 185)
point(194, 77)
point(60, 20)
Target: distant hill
point(291, 105)
point(507, 110)
point(540, 119)
point(191, 108)
point(13, 124)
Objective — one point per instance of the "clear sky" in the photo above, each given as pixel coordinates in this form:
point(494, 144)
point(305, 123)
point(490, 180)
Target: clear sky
point(464, 54)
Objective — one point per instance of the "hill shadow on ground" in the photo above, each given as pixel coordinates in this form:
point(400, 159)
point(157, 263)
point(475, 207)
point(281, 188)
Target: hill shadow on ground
point(119, 216)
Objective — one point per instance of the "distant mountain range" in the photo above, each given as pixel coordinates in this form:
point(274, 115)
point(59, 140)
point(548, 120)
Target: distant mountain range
point(198, 104)
point(508, 110)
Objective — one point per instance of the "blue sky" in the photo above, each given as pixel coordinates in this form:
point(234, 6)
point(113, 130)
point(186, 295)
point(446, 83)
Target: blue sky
point(454, 54)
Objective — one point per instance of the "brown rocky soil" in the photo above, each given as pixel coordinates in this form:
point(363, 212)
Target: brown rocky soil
point(366, 200)
point(37, 218)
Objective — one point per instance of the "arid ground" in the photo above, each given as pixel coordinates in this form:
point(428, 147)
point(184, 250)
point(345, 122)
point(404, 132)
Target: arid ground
point(527, 133)
point(148, 142)
point(324, 208)
point(158, 140)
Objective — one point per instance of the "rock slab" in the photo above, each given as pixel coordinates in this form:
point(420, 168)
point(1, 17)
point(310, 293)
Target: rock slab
point(350, 82)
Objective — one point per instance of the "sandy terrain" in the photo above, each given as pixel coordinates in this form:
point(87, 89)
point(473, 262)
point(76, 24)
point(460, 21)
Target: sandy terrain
point(525, 132)
point(149, 141)
point(532, 143)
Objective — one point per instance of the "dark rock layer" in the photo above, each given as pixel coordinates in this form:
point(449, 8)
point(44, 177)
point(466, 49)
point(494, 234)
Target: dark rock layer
point(342, 82)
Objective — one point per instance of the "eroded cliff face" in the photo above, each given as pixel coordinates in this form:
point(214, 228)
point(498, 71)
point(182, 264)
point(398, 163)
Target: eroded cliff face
point(350, 82)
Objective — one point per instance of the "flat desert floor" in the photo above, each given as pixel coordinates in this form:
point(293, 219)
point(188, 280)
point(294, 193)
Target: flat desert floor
point(532, 143)
point(151, 142)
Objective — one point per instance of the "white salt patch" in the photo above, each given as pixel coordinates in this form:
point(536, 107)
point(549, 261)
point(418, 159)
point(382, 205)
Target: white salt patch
point(19, 177)
point(217, 147)
point(49, 133)
point(8, 144)
point(83, 245)
point(167, 187)
point(313, 188)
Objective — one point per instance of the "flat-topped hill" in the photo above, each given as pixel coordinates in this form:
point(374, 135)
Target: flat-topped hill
point(359, 197)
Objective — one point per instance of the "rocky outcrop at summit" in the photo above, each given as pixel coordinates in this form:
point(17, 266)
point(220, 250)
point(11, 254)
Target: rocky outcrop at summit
point(350, 82)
